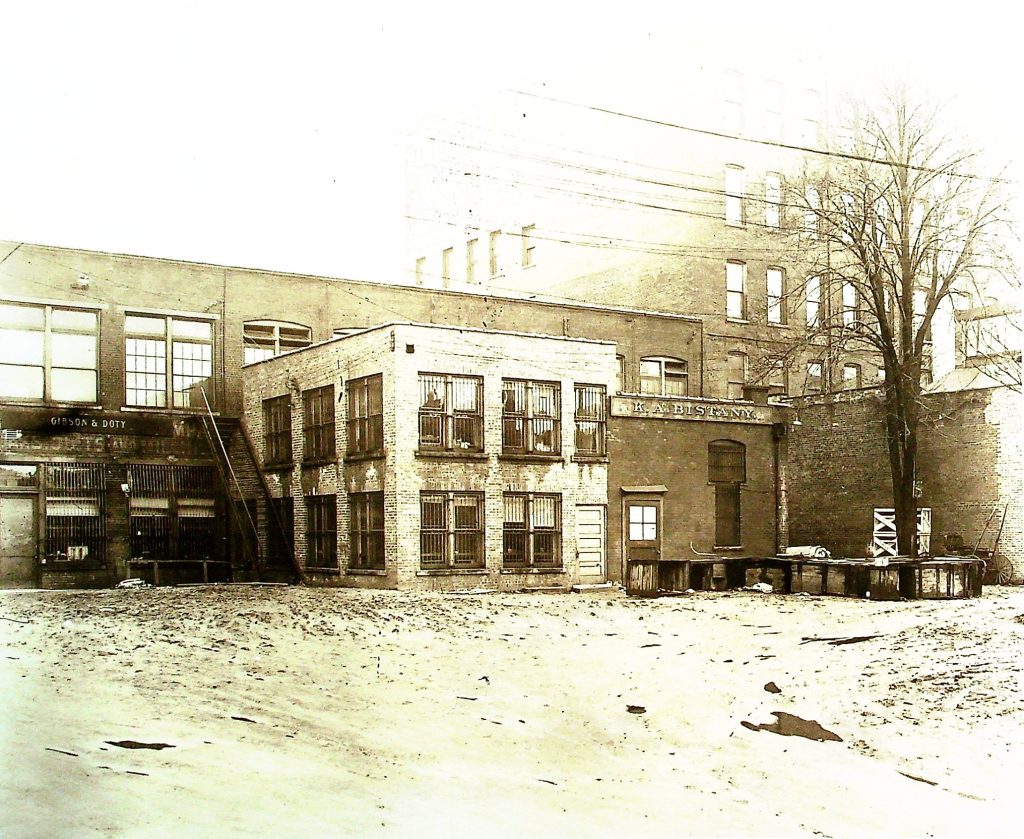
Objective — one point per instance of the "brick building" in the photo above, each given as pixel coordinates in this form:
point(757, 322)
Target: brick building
point(411, 455)
point(121, 399)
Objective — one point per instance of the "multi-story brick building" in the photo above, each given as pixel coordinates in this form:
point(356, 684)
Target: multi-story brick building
point(121, 399)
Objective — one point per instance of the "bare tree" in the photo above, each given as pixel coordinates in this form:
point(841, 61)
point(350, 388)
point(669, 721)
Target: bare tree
point(892, 229)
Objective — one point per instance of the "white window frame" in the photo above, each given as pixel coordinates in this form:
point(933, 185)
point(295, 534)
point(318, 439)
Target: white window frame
point(735, 290)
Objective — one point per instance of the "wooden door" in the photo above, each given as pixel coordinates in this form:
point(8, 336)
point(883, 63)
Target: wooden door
point(590, 540)
point(17, 541)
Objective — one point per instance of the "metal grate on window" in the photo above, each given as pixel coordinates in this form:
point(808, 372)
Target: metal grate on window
point(74, 512)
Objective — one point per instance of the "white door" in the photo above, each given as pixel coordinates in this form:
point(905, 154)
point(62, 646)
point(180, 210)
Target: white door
point(590, 540)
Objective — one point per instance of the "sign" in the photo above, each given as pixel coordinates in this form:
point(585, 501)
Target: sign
point(84, 421)
point(706, 410)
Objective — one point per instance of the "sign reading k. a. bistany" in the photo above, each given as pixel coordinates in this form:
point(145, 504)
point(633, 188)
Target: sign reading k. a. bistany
point(661, 407)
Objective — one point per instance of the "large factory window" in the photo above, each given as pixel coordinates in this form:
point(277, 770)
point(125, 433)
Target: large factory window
point(168, 360)
point(266, 338)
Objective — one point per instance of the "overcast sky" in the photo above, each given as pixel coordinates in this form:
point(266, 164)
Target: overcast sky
point(267, 135)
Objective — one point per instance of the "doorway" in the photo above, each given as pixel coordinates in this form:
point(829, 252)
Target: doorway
point(18, 541)
point(590, 541)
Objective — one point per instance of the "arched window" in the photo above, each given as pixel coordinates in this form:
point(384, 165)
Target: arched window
point(663, 376)
point(266, 338)
point(727, 470)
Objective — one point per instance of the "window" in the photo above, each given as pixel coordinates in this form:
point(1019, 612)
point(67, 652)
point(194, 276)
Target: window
point(451, 530)
point(531, 417)
point(663, 377)
point(321, 531)
point(814, 302)
point(851, 304)
point(727, 470)
point(74, 512)
point(732, 115)
point(851, 376)
point(814, 382)
point(266, 338)
point(366, 415)
point(643, 522)
point(421, 269)
point(528, 245)
point(773, 110)
point(620, 374)
point(493, 241)
point(776, 283)
point(168, 361)
point(734, 195)
point(451, 412)
point(812, 201)
point(532, 533)
point(366, 530)
point(173, 512)
point(811, 117)
point(776, 376)
point(471, 260)
point(318, 424)
point(591, 420)
point(772, 200)
point(281, 532)
point(737, 370)
point(277, 431)
point(735, 290)
point(446, 266)
point(48, 353)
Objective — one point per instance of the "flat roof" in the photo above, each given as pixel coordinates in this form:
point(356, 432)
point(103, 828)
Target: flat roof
point(501, 294)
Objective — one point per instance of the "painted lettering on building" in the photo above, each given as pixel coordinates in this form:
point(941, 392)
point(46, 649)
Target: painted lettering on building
point(692, 409)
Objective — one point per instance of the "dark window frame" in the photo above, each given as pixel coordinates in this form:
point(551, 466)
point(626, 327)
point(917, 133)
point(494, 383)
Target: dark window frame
point(727, 472)
point(366, 416)
point(71, 485)
point(178, 351)
point(318, 425)
point(443, 427)
point(443, 539)
point(277, 431)
point(521, 539)
point(281, 531)
point(322, 532)
point(525, 426)
point(591, 419)
point(366, 531)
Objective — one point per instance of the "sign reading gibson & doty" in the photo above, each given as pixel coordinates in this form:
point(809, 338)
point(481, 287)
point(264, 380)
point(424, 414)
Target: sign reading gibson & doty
point(660, 407)
point(77, 420)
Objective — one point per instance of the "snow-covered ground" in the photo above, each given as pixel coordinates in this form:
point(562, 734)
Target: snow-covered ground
point(285, 712)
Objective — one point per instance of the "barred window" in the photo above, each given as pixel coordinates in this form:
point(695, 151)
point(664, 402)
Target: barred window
point(168, 361)
point(366, 530)
point(532, 531)
point(451, 530)
point(266, 338)
point(48, 353)
point(277, 430)
point(74, 512)
point(591, 420)
point(366, 415)
point(318, 424)
point(451, 415)
point(173, 512)
point(531, 417)
point(321, 531)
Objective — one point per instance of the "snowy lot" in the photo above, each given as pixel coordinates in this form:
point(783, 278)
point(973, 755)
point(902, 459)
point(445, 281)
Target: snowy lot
point(287, 712)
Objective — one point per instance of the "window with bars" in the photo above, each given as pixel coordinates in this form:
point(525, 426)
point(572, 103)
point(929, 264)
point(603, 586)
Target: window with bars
point(776, 284)
point(366, 530)
point(727, 470)
point(451, 530)
point(662, 376)
point(591, 420)
point(318, 424)
point(74, 513)
point(736, 290)
point(173, 512)
point(321, 531)
point(281, 532)
point(366, 415)
point(277, 431)
point(168, 360)
point(532, 531)
point(451, 414)
point(737, 371)
point(530, 417)
point(48, 353)
point(266, 338)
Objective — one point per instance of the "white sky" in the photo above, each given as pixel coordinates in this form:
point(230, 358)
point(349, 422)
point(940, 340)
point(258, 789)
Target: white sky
point(266, 135)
